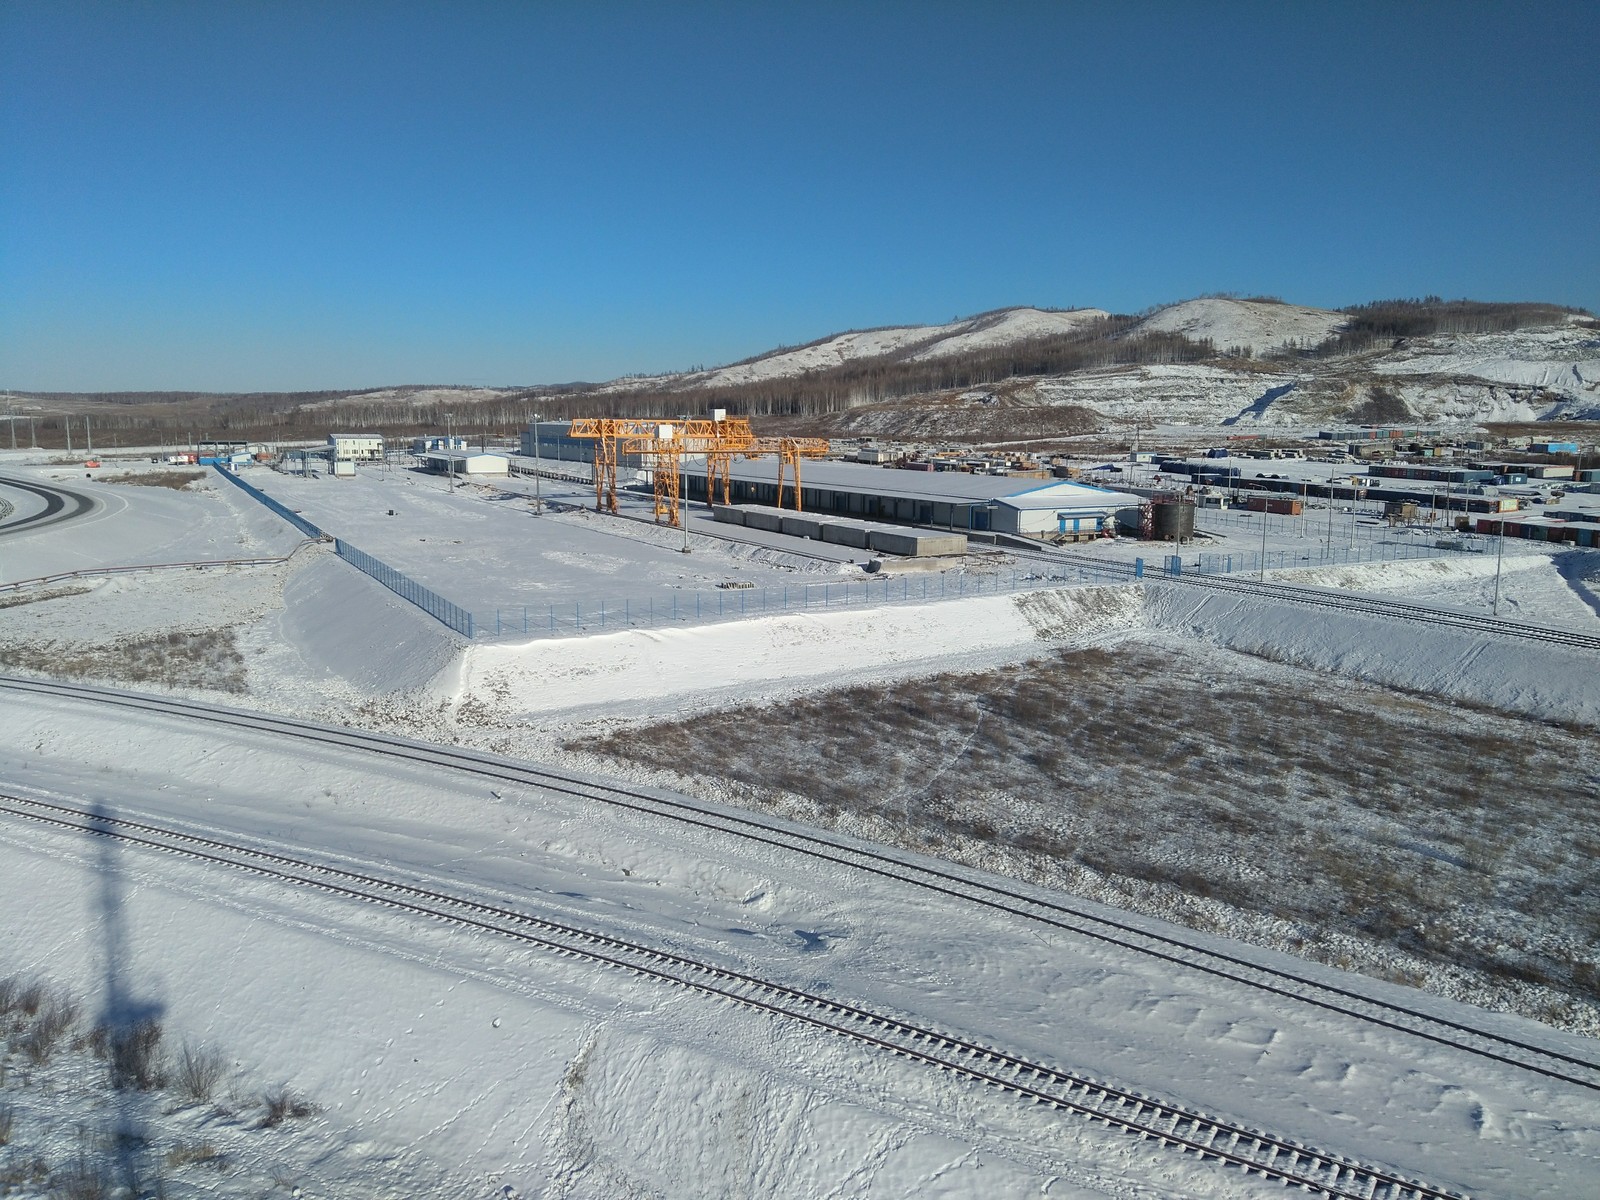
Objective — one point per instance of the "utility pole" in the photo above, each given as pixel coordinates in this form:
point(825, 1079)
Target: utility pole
point(1499, 555)
point(538, 467)
point(1261, 575)
point(1331, 474)
point(450, 447)
point(87, 436)
point(68, 422)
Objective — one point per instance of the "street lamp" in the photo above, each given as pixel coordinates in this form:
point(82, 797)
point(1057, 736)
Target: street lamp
point(450, 447)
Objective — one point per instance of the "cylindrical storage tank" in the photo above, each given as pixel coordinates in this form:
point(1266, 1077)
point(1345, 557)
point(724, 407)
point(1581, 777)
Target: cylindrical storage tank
point(1174, 520)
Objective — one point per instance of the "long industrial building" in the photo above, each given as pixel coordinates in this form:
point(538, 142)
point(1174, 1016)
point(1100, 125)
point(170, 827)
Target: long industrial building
point(953, 500)
point(943, 499)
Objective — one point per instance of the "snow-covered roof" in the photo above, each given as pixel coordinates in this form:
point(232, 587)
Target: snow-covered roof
point(1070, 496)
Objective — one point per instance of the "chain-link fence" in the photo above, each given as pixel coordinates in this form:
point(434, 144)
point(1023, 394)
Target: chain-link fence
point(1325, 556)
point(730, 604)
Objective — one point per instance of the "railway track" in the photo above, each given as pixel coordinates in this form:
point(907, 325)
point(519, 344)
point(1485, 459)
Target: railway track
point(1172, 1125)
point(948, 880)
point(1371, 606)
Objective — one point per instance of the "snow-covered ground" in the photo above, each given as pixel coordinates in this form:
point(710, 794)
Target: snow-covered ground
point(452, 1065)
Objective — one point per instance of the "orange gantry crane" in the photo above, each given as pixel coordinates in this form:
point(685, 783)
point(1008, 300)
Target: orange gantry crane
point(790, 451)
point(606, 433)
point(662, 445)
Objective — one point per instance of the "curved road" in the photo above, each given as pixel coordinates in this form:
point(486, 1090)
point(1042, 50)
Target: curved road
point(60, 504)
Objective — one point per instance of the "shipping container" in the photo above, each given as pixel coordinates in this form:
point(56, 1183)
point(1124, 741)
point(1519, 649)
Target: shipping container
point(1282, 505)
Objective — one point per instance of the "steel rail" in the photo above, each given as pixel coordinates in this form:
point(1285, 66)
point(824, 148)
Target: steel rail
point(1169, 1123)
point(989, 894)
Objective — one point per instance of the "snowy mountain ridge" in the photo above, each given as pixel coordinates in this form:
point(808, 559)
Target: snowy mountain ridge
point(913, 343)
point(1262, 374)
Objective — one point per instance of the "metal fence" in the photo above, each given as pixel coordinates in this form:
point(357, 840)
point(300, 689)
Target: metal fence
point(401, 584)
point(197, 565)
point(1324, 556)
point(407, 588)
point(730, 604)
point(288, 514)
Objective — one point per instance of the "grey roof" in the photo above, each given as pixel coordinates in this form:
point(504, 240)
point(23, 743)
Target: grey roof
point(945, 487)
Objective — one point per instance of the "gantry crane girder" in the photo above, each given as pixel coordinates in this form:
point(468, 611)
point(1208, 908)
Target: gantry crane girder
point(664, 448)
point(662, 445)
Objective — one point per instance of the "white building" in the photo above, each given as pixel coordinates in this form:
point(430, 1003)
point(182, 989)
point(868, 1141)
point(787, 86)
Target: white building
point(463, 463)
point(356, 447)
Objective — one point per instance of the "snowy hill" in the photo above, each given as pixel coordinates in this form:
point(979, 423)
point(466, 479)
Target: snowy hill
point(1261, 374)
point(415, 397)
point(1261, 325)
point(908, 342)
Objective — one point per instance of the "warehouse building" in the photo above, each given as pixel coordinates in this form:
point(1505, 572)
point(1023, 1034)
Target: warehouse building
point(950, 500)
point(465, 463)
point(555, 443)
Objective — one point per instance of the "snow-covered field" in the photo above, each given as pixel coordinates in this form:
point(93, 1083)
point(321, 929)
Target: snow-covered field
point(451, 1065)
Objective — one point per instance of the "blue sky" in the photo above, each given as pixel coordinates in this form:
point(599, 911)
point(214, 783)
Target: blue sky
point(289, 195)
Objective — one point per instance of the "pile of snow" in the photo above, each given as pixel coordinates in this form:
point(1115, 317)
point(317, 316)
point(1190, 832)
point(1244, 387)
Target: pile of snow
point(1258, 324)
point(656, 670)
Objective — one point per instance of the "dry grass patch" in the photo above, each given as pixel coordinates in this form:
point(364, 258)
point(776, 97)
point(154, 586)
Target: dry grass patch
point(176, 480)
point(208, 659)
point(1451, 835)
point(38, 595)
